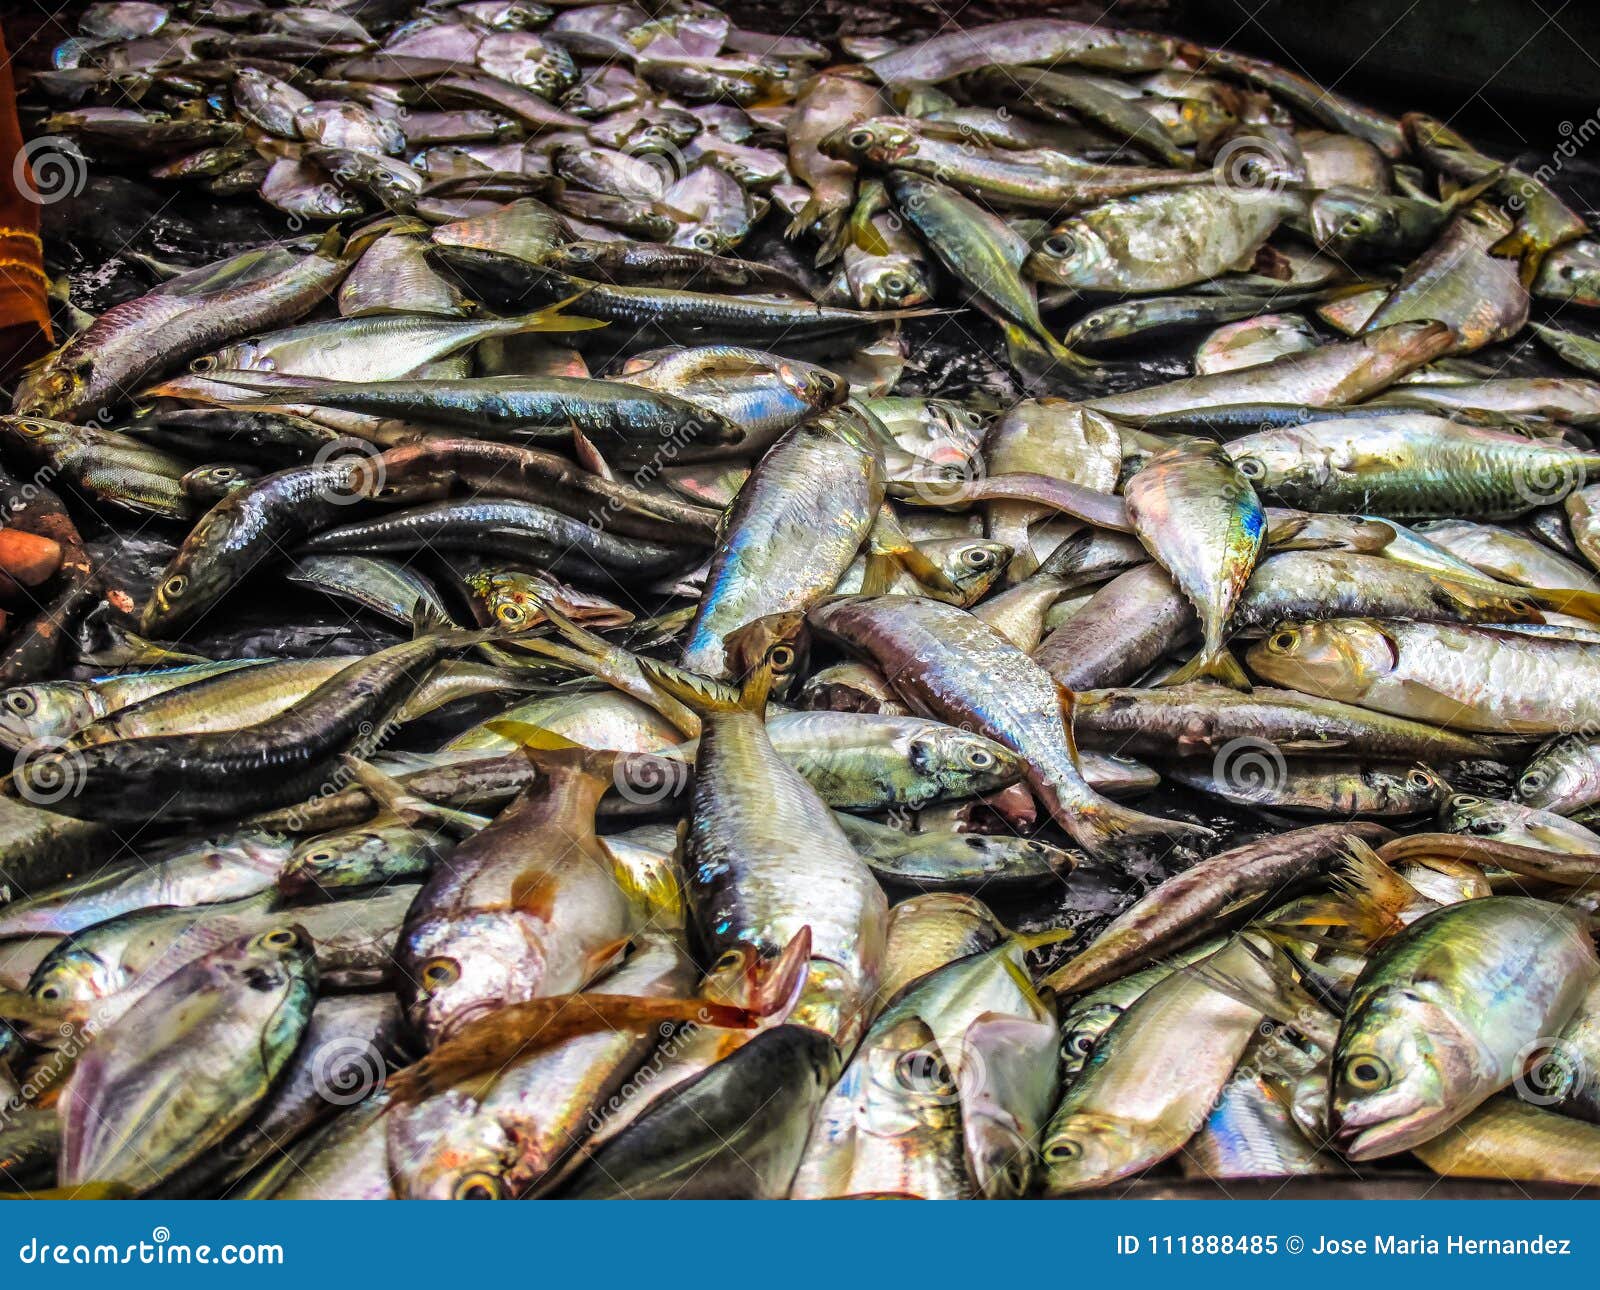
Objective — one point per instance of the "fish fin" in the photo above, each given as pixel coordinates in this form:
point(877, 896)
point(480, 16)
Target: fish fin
point(1366, 872)
point(534, 892)
point(776, 984)
point(700, 694)
point(1221, 667)
point(1043, 940)
point(830, 226)
point(547, 750)
point(1026, 349)
point(604, 957)
point(1274, 992)
point(1523, 247)
point(880, 574)
point(551, 318)
point(393, 799)
point(1580, 604)
point(1466, 196)
point(489, 1043)
point(704, 695)
point(590, 457)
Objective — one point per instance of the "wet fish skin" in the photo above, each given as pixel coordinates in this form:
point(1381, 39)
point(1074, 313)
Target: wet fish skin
point(947, 663)
point(183, 1039)
point(1436, 1021)
point(792, 531)
point(1197, 514)
point(189, 314)
point(735, 1132)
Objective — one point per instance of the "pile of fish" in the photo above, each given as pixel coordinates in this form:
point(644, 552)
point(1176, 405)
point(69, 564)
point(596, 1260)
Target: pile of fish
point(771, 696)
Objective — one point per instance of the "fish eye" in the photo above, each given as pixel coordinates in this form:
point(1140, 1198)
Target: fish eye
point(1465, 799)
point(1250, 468)
point(729, 960)
point(511, 613)
point(1532, 781)
point(860, 138)
point(1080, 1043)
point(1283, 642)
point(980, 758)
point(1366, 1073)
point(704, 242)
point(440, 972)
point(895, 284)
point(1062, 1151)
point(21, 702)
point(1352, 226)
point(320, 856)
point(203, 364)
point(1420, 779)
point(1061, 246)
point(50, 993)
point(174, 586)
point(479, 1186)
point(781, 657)
point(924, 1071)
point(978, 558)
point(33, 427)
point(280, 938)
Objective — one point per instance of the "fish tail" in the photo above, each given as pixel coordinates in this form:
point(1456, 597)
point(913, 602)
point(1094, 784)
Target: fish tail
point(551, 318)
point(1273, 991)
point(1027, 348)
point(1107, 826)
point(548, 750)
point(700, 694)
point(829, 223)
point(1217, 665)
point(1580, 604)
point(1523, 247)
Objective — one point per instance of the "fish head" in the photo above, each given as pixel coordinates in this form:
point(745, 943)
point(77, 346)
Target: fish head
point(1087, 1149)
point(1412, 789)
point(1549, 780)
point(459, 969)
point(778, 643)
point(1283, 459)
point(814, 386)
point(1478, 816)
point(1071, 255)
point(972, 565)
point(1337, 659)
point(955, 763)
point(909, 1087)
point(1404, 1069)
point(69, 979)
point(449, 1147)
point(887, 282)
point(882, 141)
point(1571, 272)
point(1348, 220)
point(336, 860)
point(56, 388)
point(1081, 1031)
point(46, 711)
point(194, 580)
point(1110, 322)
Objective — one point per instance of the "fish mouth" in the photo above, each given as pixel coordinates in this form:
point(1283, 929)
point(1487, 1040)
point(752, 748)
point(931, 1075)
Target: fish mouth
point(451, 1025)
point(1358, 1140)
